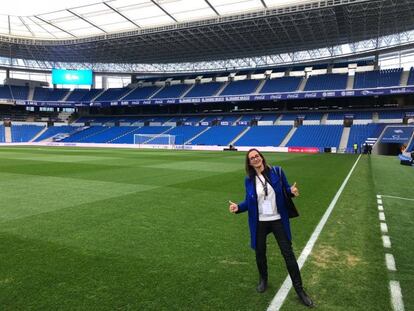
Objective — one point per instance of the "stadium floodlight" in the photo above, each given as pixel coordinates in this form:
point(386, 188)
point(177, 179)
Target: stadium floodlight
point(154, 139)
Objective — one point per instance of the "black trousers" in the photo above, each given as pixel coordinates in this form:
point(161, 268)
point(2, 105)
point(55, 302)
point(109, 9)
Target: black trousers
point(285, 246)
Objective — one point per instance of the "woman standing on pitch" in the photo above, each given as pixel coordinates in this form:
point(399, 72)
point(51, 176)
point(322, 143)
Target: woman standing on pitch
point(267, 209)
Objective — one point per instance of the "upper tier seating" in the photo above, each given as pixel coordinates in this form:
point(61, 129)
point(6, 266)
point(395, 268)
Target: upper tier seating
point(46, 94)
point(205, 89)
point(240, 87)
point(141, 93)
point(284, 84)
point(173, 91)
point(112, 94)
point(378, 78)
point(326, 82)
point(264, 136)
point(83, 95)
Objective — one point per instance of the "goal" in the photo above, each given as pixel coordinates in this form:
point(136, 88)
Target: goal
point(154, 139)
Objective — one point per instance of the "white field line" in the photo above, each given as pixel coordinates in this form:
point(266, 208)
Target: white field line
point(382, 216)
point(390, 262)
point(380, 208)
point(283, 291)
point(386, 242)
point(396, 296)
point(399, 198)
point(384, 227)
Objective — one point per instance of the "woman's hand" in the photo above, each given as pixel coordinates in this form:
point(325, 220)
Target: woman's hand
point(294, 190)
point(233, 207)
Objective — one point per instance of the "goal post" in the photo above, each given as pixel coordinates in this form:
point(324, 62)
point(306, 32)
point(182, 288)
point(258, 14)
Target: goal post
point(154, 139)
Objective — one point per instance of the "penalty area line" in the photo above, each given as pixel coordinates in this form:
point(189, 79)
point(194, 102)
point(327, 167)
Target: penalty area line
point(283, 291)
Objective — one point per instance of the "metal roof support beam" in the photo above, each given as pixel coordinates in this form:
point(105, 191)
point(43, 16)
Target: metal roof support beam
point(119, 13)
point(212, 7)
point(165, 11)
point(85, 20)
point(49, 23)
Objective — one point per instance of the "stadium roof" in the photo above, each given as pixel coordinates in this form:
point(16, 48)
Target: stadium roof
point(173, 31)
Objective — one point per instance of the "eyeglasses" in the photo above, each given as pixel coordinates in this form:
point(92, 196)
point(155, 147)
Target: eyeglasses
point(255, 157)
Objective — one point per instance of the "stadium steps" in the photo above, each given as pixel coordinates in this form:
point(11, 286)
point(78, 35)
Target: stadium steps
point(260, 86)
point(350, 82)
point(156, 92)
point(344, 139)
point(375, 117)
point(93, 134)
point(158, 135)
point(288, 137)
point(7, 134)
point(67, 95)
point(277, 121)
point(31, 93)
point(127, 133)
point(221, 89)
point(302, 85)
point(97, 95)
point(240, 136)
point(39, 134)
point(404, 78)
point(324, 118)
point(188, 90)
point(199, 134)
point(127, 93)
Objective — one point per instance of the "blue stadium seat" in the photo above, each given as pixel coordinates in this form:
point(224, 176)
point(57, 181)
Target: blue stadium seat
point(240, 87)
point(283, 84)
point(218, 135)
point(24, 133)
point(316, 136)
point(204, 89)
point(264, 136)
point(326, 82)
point(378, 78)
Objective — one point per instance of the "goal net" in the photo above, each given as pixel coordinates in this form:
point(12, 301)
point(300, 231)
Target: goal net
point(154, 139)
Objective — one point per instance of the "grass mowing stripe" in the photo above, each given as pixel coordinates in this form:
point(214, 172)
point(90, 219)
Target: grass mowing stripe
point(281, 295)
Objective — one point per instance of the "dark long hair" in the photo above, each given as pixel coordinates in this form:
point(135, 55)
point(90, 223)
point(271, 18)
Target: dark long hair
point(250, 171)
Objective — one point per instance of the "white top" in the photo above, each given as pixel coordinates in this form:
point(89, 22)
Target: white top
point(265, 202)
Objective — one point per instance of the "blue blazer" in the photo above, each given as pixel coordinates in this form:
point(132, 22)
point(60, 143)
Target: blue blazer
point(250, 203)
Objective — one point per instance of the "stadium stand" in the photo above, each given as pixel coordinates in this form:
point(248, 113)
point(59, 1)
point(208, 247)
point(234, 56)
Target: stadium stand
point(24, 133)
point(205, 89)
point(141, 93)
point(173, 91)
point(46, 94)
point(284, 84)
point(316, 136)
point(378, 78)
point(55, 130)
point(326, 82)
point(218, 135)
point(2, 138)
point(410, 80)
point(19, 92)
point(112, 94)
point(359, 134)
point(240, 87)
point(264, 136)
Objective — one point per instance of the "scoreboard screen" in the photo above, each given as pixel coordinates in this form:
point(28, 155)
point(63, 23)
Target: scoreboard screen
point(79, 77)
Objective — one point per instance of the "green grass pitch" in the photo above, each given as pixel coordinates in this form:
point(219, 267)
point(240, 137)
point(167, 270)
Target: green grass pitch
point(106, 229)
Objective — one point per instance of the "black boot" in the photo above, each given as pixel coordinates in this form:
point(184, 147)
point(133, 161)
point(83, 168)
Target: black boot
point(305, 299)
point(262, 286)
